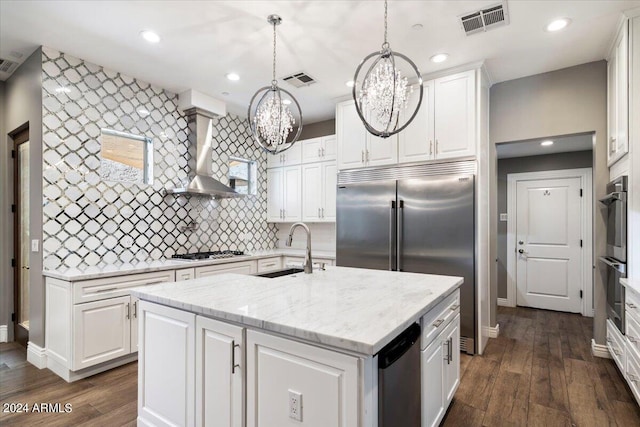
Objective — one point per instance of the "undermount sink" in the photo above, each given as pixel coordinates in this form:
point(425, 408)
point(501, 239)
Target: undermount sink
point(280, 273)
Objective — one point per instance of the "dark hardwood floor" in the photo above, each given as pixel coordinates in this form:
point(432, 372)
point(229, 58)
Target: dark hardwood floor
point(539, 372)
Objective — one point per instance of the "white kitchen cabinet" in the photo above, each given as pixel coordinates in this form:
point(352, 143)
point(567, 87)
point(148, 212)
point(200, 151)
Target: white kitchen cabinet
point(103, 331)
point(219, 374)
point(618, 96)
point(616, 346)
point(290, 157)
point(326, 381)
point(451, 340)
point(284, 194)
point(185, 274)
point(455, 115)
point(433, 398)
point(416, 142)
point(269, 264)
point(166, 373)
point(319, 182)
point(294, 261)
point(380, 151)
point(239, 267)
point(318, 149)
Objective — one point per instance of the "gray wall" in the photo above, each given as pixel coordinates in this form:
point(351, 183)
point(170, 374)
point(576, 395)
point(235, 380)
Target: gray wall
point(563, 102)
point(314, 130)
point(23, 103)
point(6, 276)
point(574, 160)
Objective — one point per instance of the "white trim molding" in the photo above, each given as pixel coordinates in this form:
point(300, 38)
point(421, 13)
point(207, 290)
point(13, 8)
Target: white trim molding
point(599, 350)
point(491, 331)
point(4, 333)
point(503, 302)
point(36, 355)
point(585, 175)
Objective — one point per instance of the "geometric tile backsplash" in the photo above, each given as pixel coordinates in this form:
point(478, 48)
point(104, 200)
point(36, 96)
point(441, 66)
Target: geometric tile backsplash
point(88, 221)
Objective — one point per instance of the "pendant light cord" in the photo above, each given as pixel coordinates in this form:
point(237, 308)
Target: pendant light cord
point(274, 82)
point(385, 44)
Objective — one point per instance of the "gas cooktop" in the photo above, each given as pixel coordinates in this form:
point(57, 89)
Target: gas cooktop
point(195, 256)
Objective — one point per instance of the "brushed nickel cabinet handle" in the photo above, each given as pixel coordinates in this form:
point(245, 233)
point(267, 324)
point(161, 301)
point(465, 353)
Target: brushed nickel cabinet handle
point(319, 152)
point(233, 357)
point(631, 305)
point(367, 156)
point(128, 311)
point(438, 322)
point(362, 152)
point(106, 290)
point(323, 153)
point(450, 351)
point(135, 309)
point(431, 148)
point(454, 307)
point(446, 356)
point(319, 216)
point(322, 212)
point(436, 146)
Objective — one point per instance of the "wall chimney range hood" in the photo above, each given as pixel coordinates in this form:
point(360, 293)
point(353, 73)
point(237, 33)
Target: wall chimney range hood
point(202, 183)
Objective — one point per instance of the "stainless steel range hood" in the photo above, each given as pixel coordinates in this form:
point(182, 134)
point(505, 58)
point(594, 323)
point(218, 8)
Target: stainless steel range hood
point(200, 124)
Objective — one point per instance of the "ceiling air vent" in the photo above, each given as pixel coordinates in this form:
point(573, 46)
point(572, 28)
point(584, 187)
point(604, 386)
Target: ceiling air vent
point(299, 79)
point(7, 66)
point(485, 19)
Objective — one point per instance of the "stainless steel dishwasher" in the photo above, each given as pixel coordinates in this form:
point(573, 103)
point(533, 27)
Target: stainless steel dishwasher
point(399, 380)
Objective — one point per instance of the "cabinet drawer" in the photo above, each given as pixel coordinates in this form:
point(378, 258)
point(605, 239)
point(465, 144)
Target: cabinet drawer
point(243, 267)
point(185, 274)
point(632, 305)
point(615, 343)
point(98, 289)
point(269, 264)
point(633, 335)
point(293, 261)
point(633, 374)
point(436, 320)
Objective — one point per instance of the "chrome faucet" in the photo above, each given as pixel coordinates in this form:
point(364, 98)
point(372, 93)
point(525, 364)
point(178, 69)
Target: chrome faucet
point(308, 263)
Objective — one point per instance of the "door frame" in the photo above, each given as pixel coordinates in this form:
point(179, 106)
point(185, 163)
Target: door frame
point(586, 230)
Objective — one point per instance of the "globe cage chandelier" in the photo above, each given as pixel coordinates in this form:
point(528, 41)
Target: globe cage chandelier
point(384, 93)
point(271, 121)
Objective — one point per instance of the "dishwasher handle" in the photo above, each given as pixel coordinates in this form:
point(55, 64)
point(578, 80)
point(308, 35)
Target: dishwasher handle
point(399, 346)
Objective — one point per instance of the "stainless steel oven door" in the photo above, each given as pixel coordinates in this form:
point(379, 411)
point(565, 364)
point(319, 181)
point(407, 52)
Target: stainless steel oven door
point(616, 202)
point(615, 291)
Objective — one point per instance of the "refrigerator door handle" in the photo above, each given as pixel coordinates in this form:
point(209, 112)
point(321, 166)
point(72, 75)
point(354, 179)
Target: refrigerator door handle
point(392, 216)
point(399, 236)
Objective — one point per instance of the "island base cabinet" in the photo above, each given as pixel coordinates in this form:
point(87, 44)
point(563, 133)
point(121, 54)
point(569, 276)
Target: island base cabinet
point(166, 372)
point(219, 374)
point(325, 382)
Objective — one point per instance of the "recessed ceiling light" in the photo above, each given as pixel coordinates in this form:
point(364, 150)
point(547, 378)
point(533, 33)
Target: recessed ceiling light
point(349, 83)
point(417, 27)
point(143, 112)
point(233, 77)
point(150, 36)
point(63, 89)
point(440, 57)
point(546, 143)
point(286, 101)
point(558, 24)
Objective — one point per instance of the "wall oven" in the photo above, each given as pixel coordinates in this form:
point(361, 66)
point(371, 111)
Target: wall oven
point(616, 256)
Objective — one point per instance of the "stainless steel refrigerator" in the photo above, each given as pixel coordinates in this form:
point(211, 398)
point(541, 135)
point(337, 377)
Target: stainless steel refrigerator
point(417, 219)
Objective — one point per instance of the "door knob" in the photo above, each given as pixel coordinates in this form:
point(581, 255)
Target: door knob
point(520, 242)
point(520, 251)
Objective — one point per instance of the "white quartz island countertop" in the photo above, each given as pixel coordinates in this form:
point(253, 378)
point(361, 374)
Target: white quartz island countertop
point(353, 309)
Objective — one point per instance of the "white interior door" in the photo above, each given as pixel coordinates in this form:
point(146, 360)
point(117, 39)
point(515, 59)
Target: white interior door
point(548, 244)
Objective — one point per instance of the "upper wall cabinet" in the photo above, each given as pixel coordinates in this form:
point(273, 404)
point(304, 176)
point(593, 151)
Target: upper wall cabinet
point(293, 156)
point(618, 96)
point(319, 149)
point(444, 128)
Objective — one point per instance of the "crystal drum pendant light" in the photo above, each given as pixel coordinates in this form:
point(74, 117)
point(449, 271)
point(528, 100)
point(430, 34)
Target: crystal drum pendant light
point(272, 120)
point(383, 94)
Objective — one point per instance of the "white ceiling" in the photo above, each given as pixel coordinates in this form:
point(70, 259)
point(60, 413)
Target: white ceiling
point(202, 41)
point(532, 147)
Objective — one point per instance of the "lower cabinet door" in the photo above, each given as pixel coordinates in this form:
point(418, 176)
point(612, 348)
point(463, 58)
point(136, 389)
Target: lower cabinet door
point(219, 374)
point(166, 366)
point(451, 338)
point(290, 383)
point(433, 377)
point(101, 331)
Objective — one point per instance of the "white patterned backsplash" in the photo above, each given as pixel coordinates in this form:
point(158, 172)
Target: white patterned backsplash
point(323, 236)
point(88, 221)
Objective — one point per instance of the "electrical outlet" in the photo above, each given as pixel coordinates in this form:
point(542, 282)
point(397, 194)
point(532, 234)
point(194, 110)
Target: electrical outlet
point(295, 405)
point(127, 242)
point(35, 245)
point(503, 217)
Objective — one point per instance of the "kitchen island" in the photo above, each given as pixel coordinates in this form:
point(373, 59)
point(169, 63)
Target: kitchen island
point(244, 350)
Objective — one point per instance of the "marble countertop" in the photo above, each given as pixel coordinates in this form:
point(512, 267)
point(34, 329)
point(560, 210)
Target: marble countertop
point(112, 270)
point(354, 309)
point(633, 284)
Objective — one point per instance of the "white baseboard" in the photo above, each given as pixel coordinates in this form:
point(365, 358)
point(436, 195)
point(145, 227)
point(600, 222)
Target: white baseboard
point(503, 302)
point(4, 333)
point(69, 376)
point(599, 350)
point(491, 331)
point(36, 355)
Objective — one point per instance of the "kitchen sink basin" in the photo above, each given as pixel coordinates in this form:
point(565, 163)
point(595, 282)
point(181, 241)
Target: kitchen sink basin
point(280, 273)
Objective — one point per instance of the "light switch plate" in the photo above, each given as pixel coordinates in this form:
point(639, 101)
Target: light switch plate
point(295, 405)
point(35, 245)
point(503, 217)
